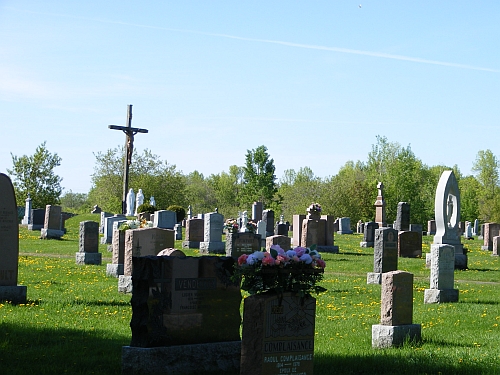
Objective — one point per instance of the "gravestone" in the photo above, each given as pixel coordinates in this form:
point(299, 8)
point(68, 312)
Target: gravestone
point(442, 275)
point(369, 234)
point(261, 229)
point(139, 243)
point(194, 233)
point(212, 237)
point(318, 230)
point(37, 219)
point(380, 216)
point(496, 242)
point(165, 219)
point(431, 227)
point(115, 268)
point(108, 227)
point(475, 229)
point(177, 325)
point(345, 226)
point(284, 242)
point(241, 243)
point(268, 218)
point(490, 230)
point(409, 244)
point(416, 228)
point(297, 229)
point(9, 245)
point(403, 217)
point(281, 229)
point(360, 227)
point(385, 254)
point(52, 224)
point(468, 230)
point(88, 252)
point(257, 208)
point(277, 335)
point(178, 232)
point(396, 312)
point(27, 212)
point(104, 215)
point(447, 213)
point(96, 210)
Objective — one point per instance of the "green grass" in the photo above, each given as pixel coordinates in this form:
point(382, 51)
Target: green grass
point(76, 322)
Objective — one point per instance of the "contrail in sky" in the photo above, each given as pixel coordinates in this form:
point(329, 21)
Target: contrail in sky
point(283, 43)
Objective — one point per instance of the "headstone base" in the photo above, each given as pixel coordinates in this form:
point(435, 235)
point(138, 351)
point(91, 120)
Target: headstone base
point(393, 336)
point(190, 244)
point(367, 244)
point(212, 248)
point(485, 248)
point(124, 284)
point(51, 234)
point(114, 270)
point(182, 359)
point(345, 232)
point(440, 295)
point(34, 227)
point(328, 249)
point(88, 258)
point(13, 293)
point(374, 278)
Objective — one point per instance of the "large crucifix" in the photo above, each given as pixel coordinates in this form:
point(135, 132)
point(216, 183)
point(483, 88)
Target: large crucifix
point(129, 149)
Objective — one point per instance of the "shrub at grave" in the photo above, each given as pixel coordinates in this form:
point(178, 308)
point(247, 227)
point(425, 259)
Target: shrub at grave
point(146, 207)
point(179, 211)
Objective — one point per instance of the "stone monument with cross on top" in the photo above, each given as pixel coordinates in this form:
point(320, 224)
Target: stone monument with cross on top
point(129, 149)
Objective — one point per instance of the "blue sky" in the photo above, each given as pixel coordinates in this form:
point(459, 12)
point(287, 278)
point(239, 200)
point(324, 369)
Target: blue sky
point(315, 82)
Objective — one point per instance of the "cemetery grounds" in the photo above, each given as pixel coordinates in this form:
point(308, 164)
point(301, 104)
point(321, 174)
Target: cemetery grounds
point(76, 322)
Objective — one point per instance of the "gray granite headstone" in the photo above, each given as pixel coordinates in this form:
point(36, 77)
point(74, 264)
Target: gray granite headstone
point(442, 275)
point(403, 216)
point(194, 233)
point(385, 254)
point(37, 219)
point(369, 234)
point(165, 219)
point(9, 244)
point(89, 244)
point(268, 217)
point(257, 211)
point(52, 227)
point(212, 238)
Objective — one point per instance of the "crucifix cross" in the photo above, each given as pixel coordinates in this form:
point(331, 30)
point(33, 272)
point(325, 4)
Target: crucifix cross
point(129, 148)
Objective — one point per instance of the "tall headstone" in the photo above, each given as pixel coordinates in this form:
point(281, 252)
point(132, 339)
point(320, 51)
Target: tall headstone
point(139, 243)
point(212, 238)
point(447, 214)
point(52, 225)
point(165, 219)
point(88, 252)
point(431, 227)
point(178, 232)
point(490, 230)
point(115, 268)
point(9, 245)
point(190, 212)
point(442, 275)
point(268, 217)
point(475, 229)
point(297, 229)
point(261, 230)
point(380, 216)
point(403, 216)
point(27, 212)
point(345, 226)
point(385, 254)
point(257, 211)
point(396, 312)
point(104, 215)
point(409, 244)
point(369, 234)
point(194, 233)
point(108, 227)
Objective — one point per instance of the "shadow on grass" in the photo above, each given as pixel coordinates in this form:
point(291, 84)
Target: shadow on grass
point(37, 350)
point(390, 361)
point(480, 302)
point(357, 254)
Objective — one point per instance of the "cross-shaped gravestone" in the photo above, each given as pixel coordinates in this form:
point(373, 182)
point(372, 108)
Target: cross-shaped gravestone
point(129, 148)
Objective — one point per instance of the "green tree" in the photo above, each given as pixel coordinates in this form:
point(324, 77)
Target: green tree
point(226, 188)
point(258, 177)
point(469, 202)
point(199, 193)
point(147, 172)
point(34, 175)
point(486, 169)
point(75, 202)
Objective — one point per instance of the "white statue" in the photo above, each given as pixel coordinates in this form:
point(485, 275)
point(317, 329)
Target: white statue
point(139, 200)
point(130, 203)
point(152, 201)
point(244, 221)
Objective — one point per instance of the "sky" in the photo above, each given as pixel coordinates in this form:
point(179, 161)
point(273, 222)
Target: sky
point(315, 82)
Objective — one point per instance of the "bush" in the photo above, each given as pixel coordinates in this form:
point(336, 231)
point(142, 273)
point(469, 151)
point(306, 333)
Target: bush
point(180, 212)
point(146, 207)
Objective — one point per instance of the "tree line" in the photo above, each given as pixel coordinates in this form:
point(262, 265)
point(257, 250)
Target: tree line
point(350, 193)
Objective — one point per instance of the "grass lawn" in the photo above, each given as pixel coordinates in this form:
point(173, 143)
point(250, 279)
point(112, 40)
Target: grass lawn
point(76, 322)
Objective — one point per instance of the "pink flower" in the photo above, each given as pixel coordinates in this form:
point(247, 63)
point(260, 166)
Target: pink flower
point(242, 259)
point(320, 263)
point(268, 261)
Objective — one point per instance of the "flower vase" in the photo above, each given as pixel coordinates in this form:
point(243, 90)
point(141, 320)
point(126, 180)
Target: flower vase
point(278, 333)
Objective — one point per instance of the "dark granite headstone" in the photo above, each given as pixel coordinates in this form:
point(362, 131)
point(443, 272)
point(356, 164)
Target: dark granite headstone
point(89, 237)
point(277, 335)
point(184, 301)
point(403, 216)
point(242, 243)
point(385, 254)
point(410, 244)
point(268, 217)
point(37, 219)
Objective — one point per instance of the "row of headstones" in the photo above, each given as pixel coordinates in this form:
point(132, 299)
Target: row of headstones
point(49, 220)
